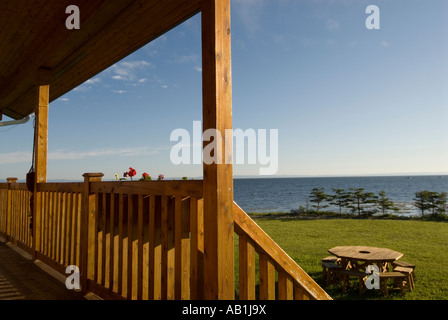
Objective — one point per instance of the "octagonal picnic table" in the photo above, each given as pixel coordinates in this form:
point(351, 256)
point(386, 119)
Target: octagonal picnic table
point(358, 258)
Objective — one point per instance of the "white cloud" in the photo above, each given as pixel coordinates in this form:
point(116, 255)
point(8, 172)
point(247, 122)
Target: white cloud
point(129, 71)
point(88, 84)
point(124, 152)
point(22, 157)
point(385, 44)
point(119, 91)
point(15, 157)
point(198, 69)
point(189, 58)
point(135, 64)
point(93, 81)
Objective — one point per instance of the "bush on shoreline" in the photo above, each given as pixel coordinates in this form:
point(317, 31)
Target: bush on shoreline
point(303, 213)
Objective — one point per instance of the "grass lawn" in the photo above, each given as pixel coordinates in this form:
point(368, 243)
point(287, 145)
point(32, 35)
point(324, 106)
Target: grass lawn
point(422, 243)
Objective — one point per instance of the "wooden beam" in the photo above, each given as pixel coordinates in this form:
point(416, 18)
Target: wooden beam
point(218, 177)
point(41, 133)
point(110, 31)
point(40, 148)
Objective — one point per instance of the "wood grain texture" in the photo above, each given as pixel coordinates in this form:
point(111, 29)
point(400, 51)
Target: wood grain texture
point(218, 176)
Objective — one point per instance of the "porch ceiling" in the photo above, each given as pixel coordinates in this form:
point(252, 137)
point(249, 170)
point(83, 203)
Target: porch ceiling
point(33, 36)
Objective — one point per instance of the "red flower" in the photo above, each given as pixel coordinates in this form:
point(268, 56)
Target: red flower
point(132, 172)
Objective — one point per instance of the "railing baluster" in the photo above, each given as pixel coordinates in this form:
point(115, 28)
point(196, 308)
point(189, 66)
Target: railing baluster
point(95, 252)
point(55, 225)
point(50, 223)
point(178, 247)
point(285, 286)
point(77, 231)
point(197, 248)
point(267, 278)
point(185, 250)
point(120, 243)
point(130, 247)
point(164, 236)
point(140, 248)
point(151, 247)
point(103, 238)
point(60, 214)
point(158, 250)
point(171, 251)
point(246, 269)
point(112, 242)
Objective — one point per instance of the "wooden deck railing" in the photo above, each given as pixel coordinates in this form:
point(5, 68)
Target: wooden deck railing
point(15, 220)
point(293, 282)
point(141, 240)
point(148, 242)
point(58, 224)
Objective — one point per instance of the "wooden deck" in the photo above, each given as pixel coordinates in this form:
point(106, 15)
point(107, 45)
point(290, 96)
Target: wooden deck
point(139, 241)
point(22, 279)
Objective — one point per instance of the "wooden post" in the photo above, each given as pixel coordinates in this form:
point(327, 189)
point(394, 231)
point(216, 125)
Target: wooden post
point(41, 128)
point(40, 148)
point(218, 177)
point(88, 216)
point(9, 208)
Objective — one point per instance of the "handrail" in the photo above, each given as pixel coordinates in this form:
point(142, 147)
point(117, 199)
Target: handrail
point(264, 244)
point(167, 187)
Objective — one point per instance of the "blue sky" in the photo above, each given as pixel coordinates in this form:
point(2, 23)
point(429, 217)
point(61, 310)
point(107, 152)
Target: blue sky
point(345, 100)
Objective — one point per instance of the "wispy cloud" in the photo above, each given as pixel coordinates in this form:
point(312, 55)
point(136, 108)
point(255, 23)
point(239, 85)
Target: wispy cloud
point(15, 157)
point(22, 156)
point(129, 71)
point(86, 86)
point(93, 81)
point(187, 58)
point(122, 152)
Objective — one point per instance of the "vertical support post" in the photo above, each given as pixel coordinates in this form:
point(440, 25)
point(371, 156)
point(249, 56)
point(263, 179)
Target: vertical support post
point(40, 148)
point(88, 216)
point(218, 175)
point(9, 208)
point(41, 135)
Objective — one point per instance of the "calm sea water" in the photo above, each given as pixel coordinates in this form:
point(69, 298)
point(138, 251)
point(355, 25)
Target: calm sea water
point(285, 194)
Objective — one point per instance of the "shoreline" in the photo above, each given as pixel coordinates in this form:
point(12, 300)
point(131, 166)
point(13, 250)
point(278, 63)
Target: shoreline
point(437, 217)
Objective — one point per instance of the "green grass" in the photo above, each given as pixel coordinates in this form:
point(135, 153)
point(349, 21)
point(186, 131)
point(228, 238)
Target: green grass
point(422, 243)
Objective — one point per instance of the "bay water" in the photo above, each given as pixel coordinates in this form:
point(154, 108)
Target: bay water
point(286, 194)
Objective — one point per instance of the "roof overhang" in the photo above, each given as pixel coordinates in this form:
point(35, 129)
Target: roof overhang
point(36, 45)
